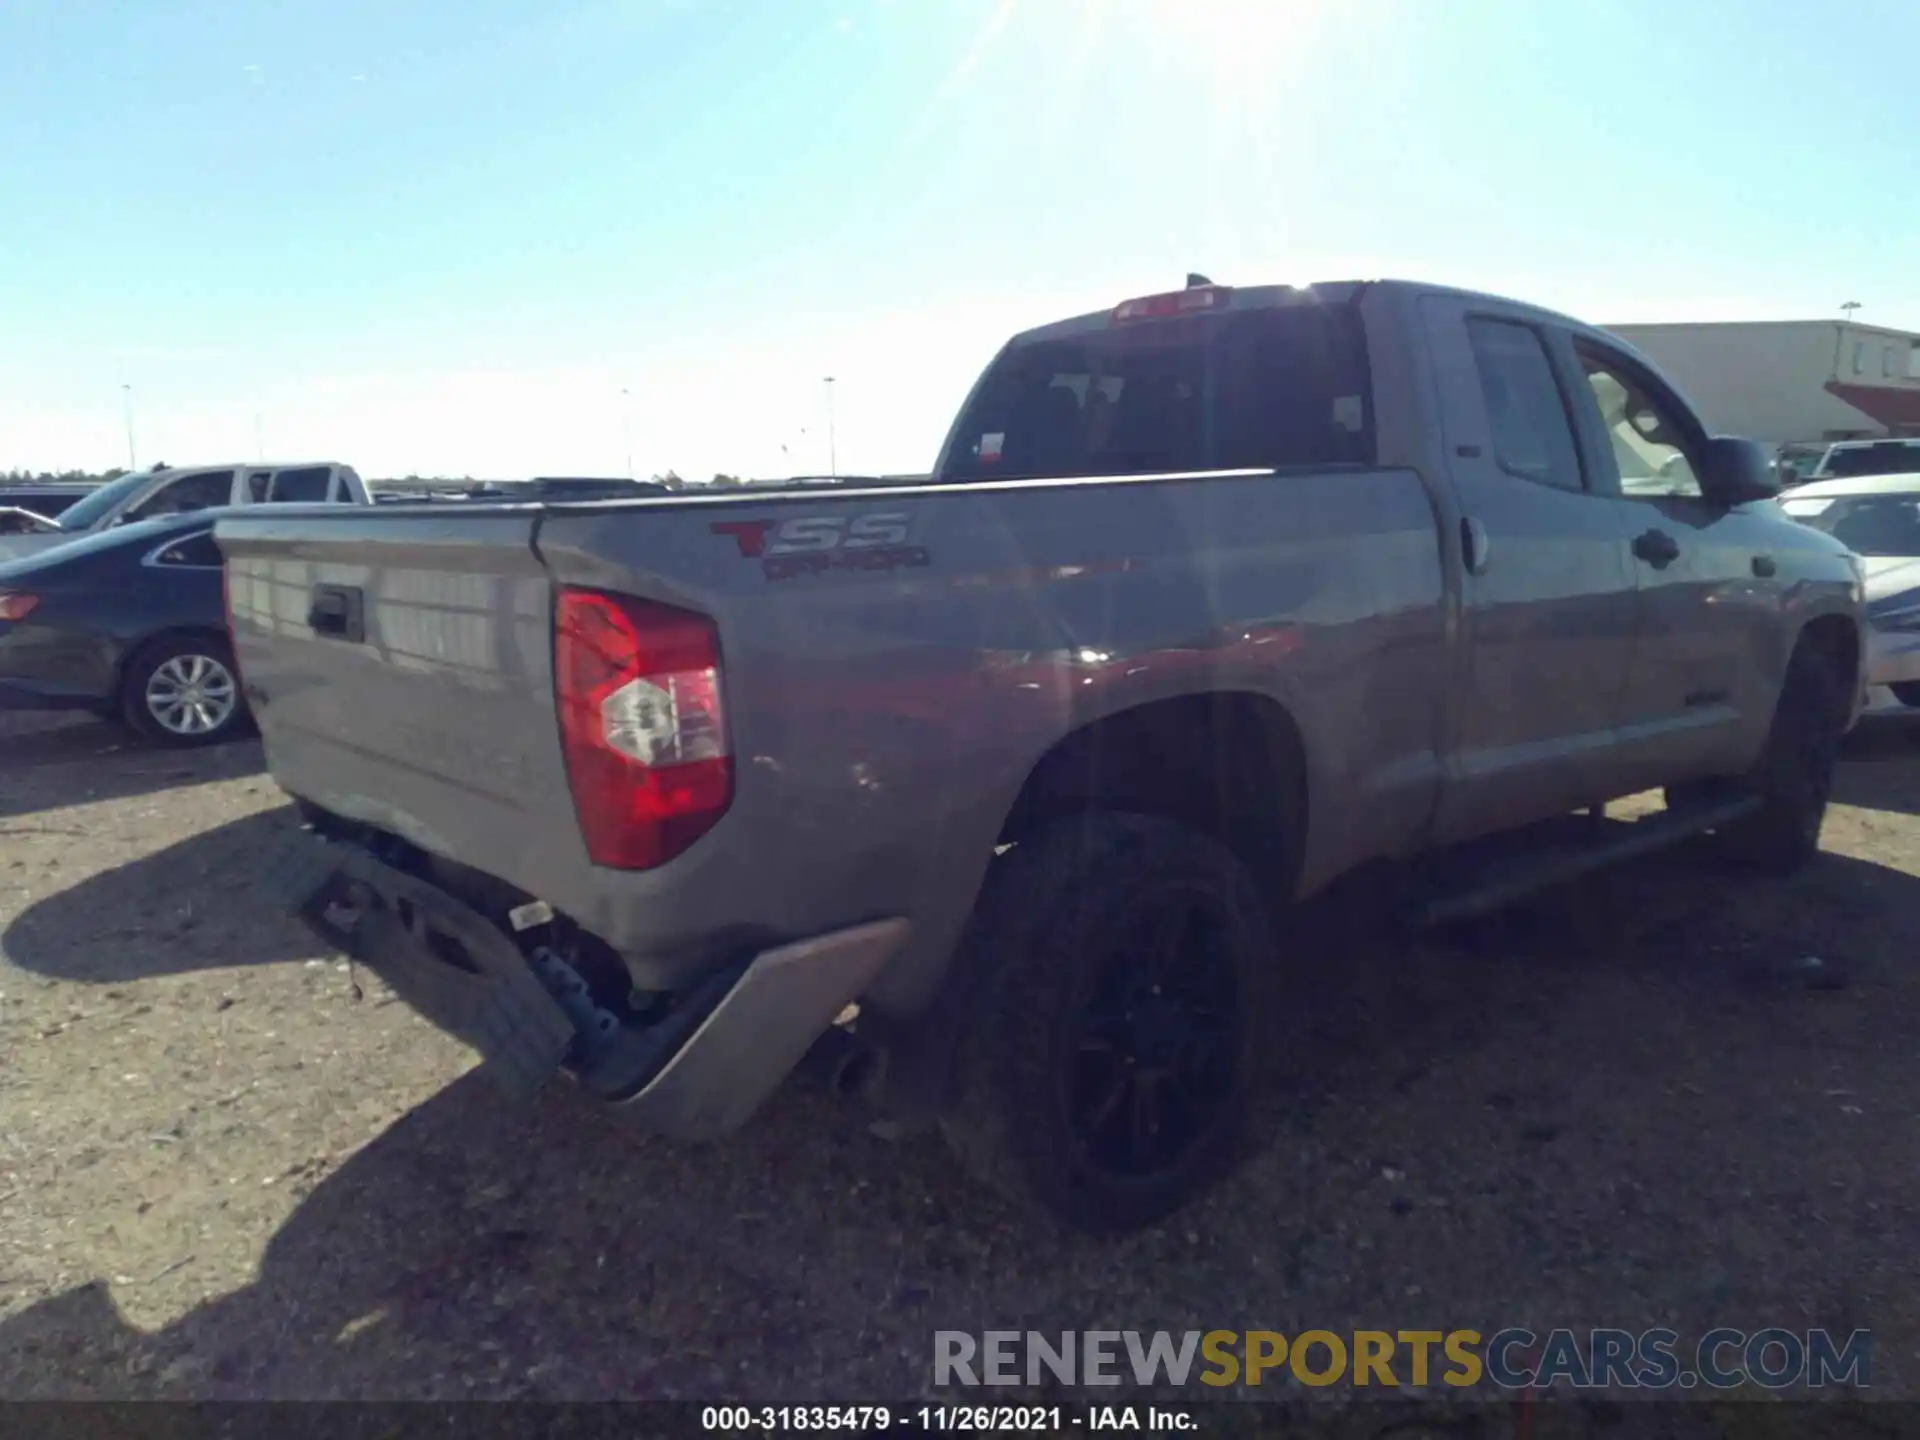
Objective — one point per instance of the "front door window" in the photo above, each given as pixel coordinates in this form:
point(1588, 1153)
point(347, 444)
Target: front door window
point(201, 491)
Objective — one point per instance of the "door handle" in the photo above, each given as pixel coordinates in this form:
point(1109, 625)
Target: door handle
point(338, 611)
point(1763, 566)
point(1475, 548)
point(1657, 548)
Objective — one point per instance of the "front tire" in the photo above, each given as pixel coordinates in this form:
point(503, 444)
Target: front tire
point(1120, 962)
point(1907, 693)
point(1794, 775)
point(183, 690)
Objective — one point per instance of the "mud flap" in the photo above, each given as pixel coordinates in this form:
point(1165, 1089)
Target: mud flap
point(448, 962)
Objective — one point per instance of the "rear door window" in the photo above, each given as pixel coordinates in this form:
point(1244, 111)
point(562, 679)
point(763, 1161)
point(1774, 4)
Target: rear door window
point(302, 487)
point(193, 552)
point(1262, 389)
point(1526, 409)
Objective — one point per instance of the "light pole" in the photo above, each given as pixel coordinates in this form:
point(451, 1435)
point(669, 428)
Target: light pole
point(126, 395)
point(833, 457)
point(1840, 335)
point(626, 425)
point(259, 445)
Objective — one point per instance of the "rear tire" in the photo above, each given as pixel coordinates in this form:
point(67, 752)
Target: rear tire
point(183, 690)
point(1794, 774)
point(1120, 963)
point(1907, 693)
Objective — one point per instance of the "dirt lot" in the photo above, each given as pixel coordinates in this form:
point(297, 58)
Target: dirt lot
point(224, 1175)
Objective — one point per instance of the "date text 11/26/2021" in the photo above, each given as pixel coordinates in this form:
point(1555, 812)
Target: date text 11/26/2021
point(962, 1419)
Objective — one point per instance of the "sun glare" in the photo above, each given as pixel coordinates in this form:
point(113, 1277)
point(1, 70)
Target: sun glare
point(1230, 40)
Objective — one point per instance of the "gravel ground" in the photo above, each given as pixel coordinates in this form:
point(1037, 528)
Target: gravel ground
point(223, 1173)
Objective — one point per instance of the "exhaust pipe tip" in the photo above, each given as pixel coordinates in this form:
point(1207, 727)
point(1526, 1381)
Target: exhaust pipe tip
point(857, 1073)
point(845, 1066)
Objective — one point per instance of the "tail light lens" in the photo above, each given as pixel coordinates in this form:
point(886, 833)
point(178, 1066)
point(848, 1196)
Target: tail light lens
point(17, 604)
point(641, 724)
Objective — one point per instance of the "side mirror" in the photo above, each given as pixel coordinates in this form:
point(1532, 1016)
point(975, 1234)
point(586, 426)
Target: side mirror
point(1736, 471)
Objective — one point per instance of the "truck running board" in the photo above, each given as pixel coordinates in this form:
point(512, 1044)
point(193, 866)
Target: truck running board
point(1486, 876)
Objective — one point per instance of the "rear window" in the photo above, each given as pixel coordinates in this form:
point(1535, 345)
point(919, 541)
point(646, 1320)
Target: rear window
point(1262, 389)
point(1893, 458)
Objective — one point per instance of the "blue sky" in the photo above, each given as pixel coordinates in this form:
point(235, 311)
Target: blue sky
point(445, 237)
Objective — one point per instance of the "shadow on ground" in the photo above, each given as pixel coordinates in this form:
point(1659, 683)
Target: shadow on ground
point(191, 906)
point(1878, 773)
point(1630, 1042)
point(51, 764)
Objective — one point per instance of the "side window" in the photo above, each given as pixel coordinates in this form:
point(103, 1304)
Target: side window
point(302, 487)
point(1646, 434)
point(202, 491)
point(197, 550)
point(257, 483)
point(1532, 434)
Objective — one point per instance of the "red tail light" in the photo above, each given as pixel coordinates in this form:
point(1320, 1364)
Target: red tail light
point(641, 724)
point(17, 605)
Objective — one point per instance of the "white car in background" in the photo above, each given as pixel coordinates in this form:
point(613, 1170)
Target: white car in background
point(1853, 459)
point(1878, 518)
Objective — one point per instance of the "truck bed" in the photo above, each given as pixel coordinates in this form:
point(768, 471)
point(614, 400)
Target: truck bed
point(894, 662)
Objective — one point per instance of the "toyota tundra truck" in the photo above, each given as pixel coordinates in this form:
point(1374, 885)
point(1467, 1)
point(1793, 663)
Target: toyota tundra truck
point(1009, 781)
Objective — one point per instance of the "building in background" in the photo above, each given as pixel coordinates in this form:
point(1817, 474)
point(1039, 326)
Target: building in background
point(1791, 382)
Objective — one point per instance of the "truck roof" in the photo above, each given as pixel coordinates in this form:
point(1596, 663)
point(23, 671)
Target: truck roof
point(1877, 442)
point(1892, 484)
point(1321, 292)
point(166, 469)
point(260, 465)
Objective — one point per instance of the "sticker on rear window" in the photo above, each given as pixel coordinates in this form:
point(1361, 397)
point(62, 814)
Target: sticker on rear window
point(992, 444)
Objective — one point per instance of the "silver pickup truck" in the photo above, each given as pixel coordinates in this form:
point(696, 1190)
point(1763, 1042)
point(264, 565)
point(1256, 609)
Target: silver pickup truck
point(1006, 782)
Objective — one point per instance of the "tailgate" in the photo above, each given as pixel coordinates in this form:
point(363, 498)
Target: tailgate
point(399, 664)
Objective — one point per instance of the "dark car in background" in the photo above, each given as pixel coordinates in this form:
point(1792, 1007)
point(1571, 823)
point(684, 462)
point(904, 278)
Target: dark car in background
point(129, 623)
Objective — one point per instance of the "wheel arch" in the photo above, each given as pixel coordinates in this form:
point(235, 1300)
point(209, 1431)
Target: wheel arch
point(1243, 780)
point(134, 647)
point(1230, 763)
point(1836, 635)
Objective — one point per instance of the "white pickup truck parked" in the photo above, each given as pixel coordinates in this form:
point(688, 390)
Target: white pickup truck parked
point(174, 490)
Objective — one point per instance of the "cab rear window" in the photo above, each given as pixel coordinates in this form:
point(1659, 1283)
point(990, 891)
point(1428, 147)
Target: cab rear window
point(1261, 389)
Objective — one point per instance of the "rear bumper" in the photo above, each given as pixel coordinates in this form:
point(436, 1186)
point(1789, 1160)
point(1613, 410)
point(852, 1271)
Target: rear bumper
point(697, 1074)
